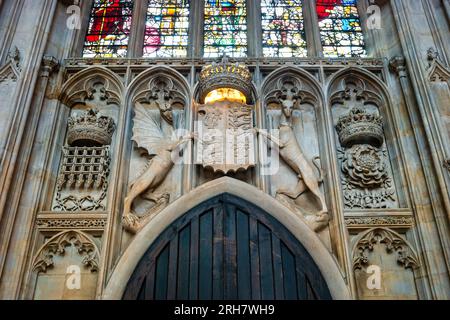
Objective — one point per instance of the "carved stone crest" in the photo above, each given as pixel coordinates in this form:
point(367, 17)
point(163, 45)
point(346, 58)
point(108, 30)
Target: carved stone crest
point(226, 136)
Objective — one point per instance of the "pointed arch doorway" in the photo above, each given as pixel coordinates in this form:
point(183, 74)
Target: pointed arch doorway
point(226, 248)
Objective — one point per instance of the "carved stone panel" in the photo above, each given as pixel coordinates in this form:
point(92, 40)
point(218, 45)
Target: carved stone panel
point(66, 267)
point(292, 124)
point(82, 183)
point(226, 139)
point(367, 181)
point(155, 171)
point(383, 262)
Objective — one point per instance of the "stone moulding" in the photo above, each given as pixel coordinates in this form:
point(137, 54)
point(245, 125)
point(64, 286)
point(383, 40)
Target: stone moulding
point(61, 221)
point(77, 63)
point(393, 242)
point(57, 246)
point(366, 220)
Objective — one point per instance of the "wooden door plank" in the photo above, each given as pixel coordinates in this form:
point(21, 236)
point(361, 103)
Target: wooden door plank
point(243, 256)
point(218, 259)
point(206, 256)
point(230, 252)
point(194, 259)
point(183, 263)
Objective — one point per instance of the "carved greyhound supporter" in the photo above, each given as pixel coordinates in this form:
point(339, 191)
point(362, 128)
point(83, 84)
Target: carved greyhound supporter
point(291, 152)
point(149, 135)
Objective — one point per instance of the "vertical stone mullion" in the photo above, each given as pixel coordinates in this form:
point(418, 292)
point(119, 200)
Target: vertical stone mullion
point(136, 41)
point(314, 44)
point(196, 25)
point(254, 29)
point(80, 35)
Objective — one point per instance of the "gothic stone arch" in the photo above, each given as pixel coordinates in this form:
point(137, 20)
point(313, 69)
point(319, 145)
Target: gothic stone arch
point(294, 224)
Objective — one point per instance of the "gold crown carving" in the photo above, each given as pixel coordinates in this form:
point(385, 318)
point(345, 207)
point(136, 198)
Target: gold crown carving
point(90, 129)
point(360, 127)
point(226, 75)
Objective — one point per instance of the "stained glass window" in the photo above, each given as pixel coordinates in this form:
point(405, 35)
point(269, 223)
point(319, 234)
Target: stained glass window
point(225, 28)
point(167, 28)
point(283, 29)
point(109, 29)
point(340, 28)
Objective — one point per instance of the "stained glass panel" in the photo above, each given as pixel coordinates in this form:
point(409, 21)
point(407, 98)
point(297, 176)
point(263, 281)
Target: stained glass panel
point(167, 28)
point(340, 28)
point(225, 28)
point(109, 29)
point(283, 29)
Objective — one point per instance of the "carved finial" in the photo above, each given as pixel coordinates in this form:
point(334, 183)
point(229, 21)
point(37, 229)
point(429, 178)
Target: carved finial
point(14, 56)
point(432, 54)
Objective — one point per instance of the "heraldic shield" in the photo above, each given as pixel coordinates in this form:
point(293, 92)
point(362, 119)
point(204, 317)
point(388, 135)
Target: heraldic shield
point(226, 138)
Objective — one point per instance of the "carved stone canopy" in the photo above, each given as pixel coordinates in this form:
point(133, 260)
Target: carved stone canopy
point(90, 129)
point(225, 75)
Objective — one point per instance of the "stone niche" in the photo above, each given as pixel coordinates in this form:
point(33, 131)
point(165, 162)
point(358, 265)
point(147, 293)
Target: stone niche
point(305, 125)
point(383, 263)
point(365, 167)
point(88, 150)
point(66, 267)
point(156, 160)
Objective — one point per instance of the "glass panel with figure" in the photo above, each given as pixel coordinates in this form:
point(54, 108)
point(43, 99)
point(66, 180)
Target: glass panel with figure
point(109, 29)
point(225, 28)
point(167, 28)
point(340, 28)
point(283, 30)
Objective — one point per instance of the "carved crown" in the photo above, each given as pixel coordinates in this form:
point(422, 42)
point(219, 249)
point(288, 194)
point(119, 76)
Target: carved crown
point(225, 75)
point(90, 129)
point(360, 127)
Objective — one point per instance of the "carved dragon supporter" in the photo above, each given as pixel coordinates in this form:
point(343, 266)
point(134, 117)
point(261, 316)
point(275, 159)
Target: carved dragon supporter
point(154, 133)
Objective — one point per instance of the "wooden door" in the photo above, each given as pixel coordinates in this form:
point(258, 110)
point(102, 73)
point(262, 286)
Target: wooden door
point(226, 248)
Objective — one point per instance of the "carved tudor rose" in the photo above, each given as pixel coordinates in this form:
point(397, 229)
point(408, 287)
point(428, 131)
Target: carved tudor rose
point(225, 121)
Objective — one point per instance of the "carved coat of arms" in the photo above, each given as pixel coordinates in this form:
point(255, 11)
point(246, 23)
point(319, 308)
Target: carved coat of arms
point(226, 137)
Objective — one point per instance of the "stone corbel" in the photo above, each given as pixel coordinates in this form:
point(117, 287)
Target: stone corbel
point(398, 66)
point(49, 65)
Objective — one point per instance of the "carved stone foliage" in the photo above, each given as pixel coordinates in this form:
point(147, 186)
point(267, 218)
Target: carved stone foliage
point(83, 179)
point(92, 87)
point(154, 132)
point(57, 246)
point(71, 223)
point(393, 242)
point(288, 96)
point(438, 71)
point(11, 70)
point(366, 180)
point(393, 221)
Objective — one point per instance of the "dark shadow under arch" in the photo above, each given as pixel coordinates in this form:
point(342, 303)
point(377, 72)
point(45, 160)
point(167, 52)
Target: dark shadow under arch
point(226, 248)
